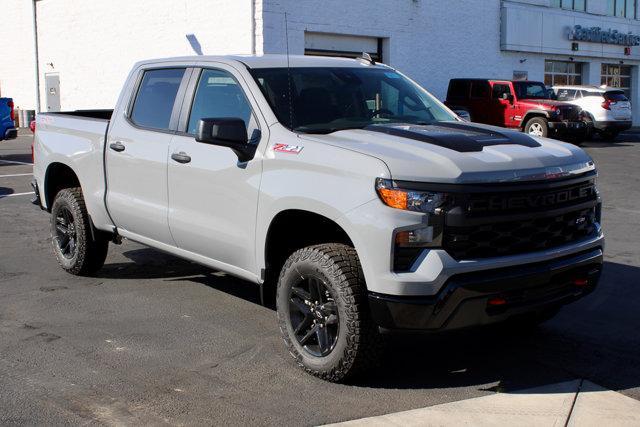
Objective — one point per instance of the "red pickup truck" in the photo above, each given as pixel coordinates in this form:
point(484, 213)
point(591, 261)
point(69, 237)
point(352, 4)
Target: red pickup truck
point(524, 105)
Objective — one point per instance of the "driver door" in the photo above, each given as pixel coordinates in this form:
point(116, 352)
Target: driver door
point(213, 198)
point(502, 108)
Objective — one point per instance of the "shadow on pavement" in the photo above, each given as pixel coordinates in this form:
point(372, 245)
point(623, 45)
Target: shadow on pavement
point(5, 191)
point(595, 338)
point(22, 158)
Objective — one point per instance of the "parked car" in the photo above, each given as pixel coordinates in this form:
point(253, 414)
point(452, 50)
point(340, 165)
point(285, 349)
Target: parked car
point(7, 116)
point(357, 201)
point(608, 108)
point(523, 105)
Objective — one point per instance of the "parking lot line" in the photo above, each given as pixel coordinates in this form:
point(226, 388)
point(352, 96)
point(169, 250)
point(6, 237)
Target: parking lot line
point(16, 194)
point(16, 163)
point(15, 174)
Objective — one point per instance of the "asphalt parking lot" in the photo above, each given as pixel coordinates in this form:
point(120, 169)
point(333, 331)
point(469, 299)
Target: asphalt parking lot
point(157, 340)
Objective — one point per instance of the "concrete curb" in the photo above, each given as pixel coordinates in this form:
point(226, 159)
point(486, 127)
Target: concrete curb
point(575, 403)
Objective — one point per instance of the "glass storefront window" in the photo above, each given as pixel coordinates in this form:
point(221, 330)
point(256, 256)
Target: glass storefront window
point(579, 5)
point(618, 76)
point(562, 73)
point(622, 8)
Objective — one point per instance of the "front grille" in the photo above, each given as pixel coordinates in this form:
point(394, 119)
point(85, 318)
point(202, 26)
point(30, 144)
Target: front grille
point(515, 237)
point(509, 222)
point(570, 113)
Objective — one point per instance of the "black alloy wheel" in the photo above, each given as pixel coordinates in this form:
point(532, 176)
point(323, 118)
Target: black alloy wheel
point(66, 236)
point(314, 316)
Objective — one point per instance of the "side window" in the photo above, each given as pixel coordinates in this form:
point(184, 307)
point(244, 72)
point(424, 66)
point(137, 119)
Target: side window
point(458, 89)
point(566, 94)
point(480, 90)
point(219, 95)
point(499, 90)
point(155, 98)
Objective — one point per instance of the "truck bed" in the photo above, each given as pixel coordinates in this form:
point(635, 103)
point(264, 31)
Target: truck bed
point(75, 139)
point(89, 114)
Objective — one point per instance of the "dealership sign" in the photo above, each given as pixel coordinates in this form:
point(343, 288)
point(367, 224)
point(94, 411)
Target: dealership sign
point(598, 35)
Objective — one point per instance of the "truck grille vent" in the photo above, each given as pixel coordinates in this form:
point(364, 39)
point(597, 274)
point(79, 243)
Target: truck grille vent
point(515, 237)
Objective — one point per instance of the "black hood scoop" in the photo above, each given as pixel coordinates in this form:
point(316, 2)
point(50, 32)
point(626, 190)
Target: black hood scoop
point(461, 137)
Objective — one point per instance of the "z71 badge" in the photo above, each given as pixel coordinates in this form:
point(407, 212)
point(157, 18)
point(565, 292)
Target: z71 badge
point(286, 148)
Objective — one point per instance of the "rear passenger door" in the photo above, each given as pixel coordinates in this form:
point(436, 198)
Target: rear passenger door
point(479, 101)
point(136, 154)
point(213, 198)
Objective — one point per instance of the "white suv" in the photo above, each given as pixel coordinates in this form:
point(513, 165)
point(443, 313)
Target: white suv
point(608, 108)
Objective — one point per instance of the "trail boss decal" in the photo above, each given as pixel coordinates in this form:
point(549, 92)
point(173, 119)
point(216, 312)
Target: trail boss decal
point(286, 148)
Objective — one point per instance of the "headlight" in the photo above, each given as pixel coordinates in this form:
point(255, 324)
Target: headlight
point(409, 200)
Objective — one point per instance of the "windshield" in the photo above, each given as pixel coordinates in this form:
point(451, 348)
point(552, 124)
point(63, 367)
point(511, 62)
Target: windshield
point(531, 90)
point(326, 100)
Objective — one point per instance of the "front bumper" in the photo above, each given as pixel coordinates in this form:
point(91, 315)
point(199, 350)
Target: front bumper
point(11, 133)
point(464, 299)
point(566, 127)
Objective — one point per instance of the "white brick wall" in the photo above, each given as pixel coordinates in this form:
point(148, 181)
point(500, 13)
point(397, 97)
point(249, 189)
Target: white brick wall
point(430, 40)
point(92, 43)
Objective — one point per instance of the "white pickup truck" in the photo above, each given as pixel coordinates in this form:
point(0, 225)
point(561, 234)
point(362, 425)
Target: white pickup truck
point(355, 199)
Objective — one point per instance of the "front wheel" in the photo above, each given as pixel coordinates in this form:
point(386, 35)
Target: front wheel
point(323, 312)
point(537, 126)
point(76, 250)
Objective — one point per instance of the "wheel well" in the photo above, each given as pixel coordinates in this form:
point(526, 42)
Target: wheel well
point(292, 230)
point(58, 177)
point(529, 117)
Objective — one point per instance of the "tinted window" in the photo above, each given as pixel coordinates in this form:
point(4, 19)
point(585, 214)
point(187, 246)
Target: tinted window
point(480, 90)
point(531, 90)
point(458, 89)
point(566, 94)
point(615, 96)
point(500, 89)
point(328, 99)
point(218, 96)
point(156, 96)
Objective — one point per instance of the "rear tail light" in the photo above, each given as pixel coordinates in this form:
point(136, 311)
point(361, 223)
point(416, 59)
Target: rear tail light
point(12, 114)
point(606, 104)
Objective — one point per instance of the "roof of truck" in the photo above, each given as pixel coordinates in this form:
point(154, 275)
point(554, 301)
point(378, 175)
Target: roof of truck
point(268, 61)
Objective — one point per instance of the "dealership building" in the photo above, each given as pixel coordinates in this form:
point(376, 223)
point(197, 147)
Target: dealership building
point(75, 54)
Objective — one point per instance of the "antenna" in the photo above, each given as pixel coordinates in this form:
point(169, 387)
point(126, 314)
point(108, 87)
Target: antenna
point(286, 35)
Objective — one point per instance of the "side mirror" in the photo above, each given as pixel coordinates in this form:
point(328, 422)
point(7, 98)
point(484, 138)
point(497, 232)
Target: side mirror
point(227, 132)
point(508, 97)
point(463, 114)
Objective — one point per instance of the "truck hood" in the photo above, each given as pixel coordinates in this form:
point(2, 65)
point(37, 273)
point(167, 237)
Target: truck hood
point(546, 103)
point(459, 152)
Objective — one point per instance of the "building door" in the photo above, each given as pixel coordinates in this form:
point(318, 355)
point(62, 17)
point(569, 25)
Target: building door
point(346, 46)
point(52, 87)
point(618, 76)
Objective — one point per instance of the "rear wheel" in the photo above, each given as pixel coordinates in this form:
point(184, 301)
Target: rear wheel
point(76, 250)
point(323, 312)
point(537, 126)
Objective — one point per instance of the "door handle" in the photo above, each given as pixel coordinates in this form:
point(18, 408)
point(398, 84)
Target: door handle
point(181, 157)
point(117, 146)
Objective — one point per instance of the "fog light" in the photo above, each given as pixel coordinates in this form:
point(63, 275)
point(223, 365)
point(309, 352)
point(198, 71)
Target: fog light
point(418, 237)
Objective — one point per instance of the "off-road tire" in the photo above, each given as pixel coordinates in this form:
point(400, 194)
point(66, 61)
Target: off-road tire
point(540, 122)
point(358, 345)
point(90, 253)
